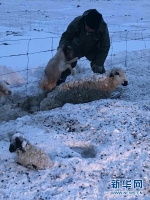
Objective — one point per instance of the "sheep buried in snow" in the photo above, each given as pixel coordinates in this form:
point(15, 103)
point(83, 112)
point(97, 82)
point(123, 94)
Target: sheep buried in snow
point(54, 68)
point(28, 155)
point(4, 88)
point(82, 91)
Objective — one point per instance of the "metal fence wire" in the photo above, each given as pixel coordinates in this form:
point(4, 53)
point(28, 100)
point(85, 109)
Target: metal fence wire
point(126, 47)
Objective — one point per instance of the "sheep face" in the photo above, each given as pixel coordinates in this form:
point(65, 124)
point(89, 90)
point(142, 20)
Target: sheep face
point(119, 75)
point(17, 142)
point(4, 89)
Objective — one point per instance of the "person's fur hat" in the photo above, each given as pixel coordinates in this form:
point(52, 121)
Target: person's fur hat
point(93, 19)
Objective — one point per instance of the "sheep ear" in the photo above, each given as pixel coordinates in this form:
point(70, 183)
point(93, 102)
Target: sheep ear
point(18, 142)
point(117, 73)
point(111, 75)
point(12, 148)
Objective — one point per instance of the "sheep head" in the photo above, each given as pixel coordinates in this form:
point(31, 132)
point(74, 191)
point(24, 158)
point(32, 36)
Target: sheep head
point(119, 76)
point(45, 84)
point(18, 142)
point(4, 88)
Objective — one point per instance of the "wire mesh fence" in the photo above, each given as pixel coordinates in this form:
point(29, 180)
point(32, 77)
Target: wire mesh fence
point(28, 57)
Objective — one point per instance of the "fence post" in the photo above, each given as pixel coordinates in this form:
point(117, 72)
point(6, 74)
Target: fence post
point(126, 49)
point(112, 49)
point(27, 67)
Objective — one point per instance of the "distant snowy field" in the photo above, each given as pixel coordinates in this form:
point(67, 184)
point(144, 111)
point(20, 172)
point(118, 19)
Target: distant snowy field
point(92, 145)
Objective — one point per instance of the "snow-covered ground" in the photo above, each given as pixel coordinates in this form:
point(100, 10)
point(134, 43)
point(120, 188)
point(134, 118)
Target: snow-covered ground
point(98, 148)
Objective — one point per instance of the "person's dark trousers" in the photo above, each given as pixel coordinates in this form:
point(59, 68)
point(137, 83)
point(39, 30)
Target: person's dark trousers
point(65, 73)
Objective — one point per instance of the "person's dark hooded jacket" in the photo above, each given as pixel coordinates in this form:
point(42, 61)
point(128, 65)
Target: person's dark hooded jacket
point(94, 46)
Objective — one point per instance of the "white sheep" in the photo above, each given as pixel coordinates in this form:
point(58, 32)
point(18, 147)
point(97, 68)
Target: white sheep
point(28, 155)
point(4, 88)
point(82, 91)
point(54, 69)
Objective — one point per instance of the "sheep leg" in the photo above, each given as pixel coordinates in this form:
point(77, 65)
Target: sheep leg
point(31, 166)
point(6, 82)
point(71, 69)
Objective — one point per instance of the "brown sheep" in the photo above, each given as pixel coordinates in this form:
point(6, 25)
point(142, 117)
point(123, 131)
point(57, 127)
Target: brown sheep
point(82, 91)
point(54, 68)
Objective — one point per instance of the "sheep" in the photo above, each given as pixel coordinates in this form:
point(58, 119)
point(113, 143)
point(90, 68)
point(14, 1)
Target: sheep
point(54, 68)
point(82, 91)
point(4, 89)
point(28, 155)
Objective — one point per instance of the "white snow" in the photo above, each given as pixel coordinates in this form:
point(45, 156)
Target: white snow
point(91, 144)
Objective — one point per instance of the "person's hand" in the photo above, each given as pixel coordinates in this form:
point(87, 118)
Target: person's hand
point(98, 69)
point(70, 53)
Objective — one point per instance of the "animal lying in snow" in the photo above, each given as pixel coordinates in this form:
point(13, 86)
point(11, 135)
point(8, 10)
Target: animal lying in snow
point(29, 155)
point(82, 91)
point(54, 68)
point(4, 88)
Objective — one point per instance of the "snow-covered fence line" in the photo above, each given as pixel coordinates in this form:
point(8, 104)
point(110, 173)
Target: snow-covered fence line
point(22, 62)
point(21, 59)
point(26, 55)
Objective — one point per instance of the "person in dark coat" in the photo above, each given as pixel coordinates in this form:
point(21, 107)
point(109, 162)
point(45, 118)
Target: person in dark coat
point(88, 36)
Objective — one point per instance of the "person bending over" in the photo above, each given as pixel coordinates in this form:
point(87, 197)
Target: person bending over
point(86, 36)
